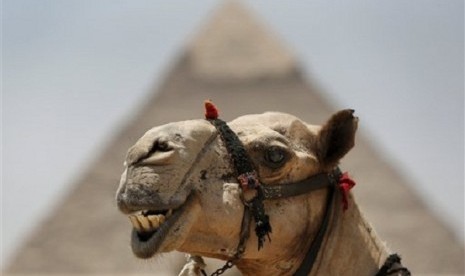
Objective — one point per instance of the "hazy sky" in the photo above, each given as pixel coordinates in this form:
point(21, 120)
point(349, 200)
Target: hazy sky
point(75, 70)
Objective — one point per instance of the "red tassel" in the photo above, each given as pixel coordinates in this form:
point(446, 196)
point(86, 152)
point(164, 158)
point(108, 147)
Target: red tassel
point(211, 112)
point(345, 184)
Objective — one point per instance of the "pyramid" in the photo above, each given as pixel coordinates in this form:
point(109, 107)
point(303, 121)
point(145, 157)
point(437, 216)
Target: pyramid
point(235, 62)
point(234, 47)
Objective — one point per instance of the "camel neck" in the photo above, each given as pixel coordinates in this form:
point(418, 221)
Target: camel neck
point(351, 247)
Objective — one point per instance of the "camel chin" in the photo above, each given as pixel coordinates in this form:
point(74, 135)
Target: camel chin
point(162, 230)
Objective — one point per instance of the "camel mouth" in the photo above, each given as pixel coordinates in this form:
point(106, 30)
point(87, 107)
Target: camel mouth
point(151, 227)
point(148, 221)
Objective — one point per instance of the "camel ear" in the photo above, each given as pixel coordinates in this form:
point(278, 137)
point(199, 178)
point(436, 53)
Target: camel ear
point(336, 137)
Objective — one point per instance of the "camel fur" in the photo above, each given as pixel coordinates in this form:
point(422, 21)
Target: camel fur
point(180, 192)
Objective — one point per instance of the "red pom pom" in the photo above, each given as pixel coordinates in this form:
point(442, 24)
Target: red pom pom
point(211, 112)
point(345, 184)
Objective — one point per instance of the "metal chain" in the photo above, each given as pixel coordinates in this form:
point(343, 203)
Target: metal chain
point(229, 264)
point(221, 270)
point(240, 247)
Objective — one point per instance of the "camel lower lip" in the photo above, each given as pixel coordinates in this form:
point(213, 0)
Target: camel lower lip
point(146, 244)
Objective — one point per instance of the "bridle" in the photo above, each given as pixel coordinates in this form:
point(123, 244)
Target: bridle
point(248, 180)
point(254, 208)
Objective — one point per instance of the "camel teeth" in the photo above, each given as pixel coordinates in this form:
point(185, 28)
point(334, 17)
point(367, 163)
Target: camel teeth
point(161, 218)
point(154, 221)
point(144, 222)
point(135, 223)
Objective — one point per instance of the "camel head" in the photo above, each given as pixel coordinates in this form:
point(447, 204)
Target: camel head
point(181, 192)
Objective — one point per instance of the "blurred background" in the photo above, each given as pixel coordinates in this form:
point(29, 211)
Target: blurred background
point(82, 80)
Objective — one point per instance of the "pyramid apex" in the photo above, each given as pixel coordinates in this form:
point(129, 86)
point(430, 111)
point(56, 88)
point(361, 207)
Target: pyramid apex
point(234, 46)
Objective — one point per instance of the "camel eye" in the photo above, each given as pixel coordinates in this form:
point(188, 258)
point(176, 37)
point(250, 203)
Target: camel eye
point(275, 156)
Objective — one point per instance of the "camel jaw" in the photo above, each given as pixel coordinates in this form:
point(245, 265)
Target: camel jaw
point(163, 230)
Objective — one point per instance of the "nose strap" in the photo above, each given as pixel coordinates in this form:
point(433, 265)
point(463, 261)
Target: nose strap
point(305, 186)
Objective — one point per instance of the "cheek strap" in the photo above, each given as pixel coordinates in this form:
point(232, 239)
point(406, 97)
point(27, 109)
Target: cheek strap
point(247, 176)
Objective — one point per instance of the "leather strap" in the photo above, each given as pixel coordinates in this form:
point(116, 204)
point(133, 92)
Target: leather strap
point(247, 177)
point(310, 258)
point(302, 187)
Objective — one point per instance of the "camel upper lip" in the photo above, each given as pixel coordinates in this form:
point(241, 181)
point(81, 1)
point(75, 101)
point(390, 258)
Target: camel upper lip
point(131, 204)
point(151, 227)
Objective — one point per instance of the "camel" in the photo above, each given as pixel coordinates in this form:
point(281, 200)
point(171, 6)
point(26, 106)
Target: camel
point(181, 191)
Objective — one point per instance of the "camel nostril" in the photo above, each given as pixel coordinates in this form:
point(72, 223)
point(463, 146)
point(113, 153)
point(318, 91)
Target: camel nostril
point(160, 153)
point(163, 146)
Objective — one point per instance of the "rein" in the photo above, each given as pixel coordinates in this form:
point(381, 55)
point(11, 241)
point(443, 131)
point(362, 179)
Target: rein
point(254, 208)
